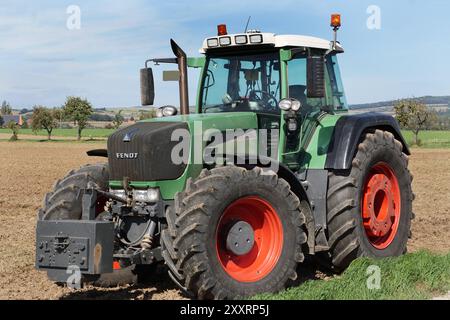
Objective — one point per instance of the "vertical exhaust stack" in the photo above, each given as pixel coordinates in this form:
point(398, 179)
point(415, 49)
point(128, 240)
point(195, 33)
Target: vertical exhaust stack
point(182, 67)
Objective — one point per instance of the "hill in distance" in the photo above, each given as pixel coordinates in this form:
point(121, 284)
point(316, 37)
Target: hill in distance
point(425, 100)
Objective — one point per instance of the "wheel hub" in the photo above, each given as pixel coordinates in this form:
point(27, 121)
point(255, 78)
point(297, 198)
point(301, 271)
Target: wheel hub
point(381, 206)
point(240, 238)
point(249, 239)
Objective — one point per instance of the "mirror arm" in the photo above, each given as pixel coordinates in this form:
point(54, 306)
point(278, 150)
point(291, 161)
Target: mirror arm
point(162, 60)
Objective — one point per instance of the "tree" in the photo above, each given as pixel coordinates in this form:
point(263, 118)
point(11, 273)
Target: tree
point(414, 115)
point(1, 121)
point(44, 119)
point(78, 110)
point(144, 114)
point(6, 108)
point(118, 120)
point(14, 127)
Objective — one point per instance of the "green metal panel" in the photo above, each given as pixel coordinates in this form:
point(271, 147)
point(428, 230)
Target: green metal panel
point(198, 62)
point(315, 153)
point(285, 56)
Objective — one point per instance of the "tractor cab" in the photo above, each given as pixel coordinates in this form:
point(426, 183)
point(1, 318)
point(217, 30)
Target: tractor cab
point(256, 71)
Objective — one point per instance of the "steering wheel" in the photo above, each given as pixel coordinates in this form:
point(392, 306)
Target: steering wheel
point(265, 98)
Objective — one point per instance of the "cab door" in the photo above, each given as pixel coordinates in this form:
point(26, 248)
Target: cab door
point(309, 116)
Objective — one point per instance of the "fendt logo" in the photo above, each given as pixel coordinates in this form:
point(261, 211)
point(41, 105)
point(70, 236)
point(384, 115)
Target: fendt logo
point(129, 135)
point(130, 155)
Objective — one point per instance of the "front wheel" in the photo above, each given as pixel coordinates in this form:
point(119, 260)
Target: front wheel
point(234, 233)
point(370, 206)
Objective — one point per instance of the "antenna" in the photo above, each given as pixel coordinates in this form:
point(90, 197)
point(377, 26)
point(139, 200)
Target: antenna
point(248, 22)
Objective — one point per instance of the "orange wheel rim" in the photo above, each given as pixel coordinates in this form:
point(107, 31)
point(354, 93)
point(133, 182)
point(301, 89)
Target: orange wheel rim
point(268, 239)
point(381, 206)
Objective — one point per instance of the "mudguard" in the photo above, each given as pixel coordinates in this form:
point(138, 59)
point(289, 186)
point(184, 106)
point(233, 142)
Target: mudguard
point(348, 132)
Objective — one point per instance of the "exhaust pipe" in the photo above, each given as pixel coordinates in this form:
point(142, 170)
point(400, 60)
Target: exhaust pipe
point(182, 67)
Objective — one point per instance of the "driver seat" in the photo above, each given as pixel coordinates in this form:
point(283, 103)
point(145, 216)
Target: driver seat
point(297, 91)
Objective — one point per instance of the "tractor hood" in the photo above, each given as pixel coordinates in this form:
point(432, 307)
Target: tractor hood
point(143, 152)
point(220, 121)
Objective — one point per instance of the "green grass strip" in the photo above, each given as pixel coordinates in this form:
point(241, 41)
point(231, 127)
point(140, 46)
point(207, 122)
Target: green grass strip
point(420, 275)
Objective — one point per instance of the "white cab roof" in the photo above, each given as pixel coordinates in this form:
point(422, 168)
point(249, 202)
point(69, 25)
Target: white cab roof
point(278, 41)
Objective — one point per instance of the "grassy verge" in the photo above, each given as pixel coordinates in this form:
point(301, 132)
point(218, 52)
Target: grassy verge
point(96, 133)
point(430, 139)
point(420, 275)
point(83, 141)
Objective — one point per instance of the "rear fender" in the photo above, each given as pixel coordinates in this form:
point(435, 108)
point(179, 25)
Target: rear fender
point(347, 134)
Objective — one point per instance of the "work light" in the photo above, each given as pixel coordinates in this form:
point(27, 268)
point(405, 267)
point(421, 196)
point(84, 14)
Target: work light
point(213, 42)
point(256, 38)
point(225, 41)
point(240, 39)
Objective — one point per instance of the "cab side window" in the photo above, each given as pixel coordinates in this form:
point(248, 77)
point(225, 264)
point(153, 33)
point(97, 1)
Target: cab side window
point(335, 89)
point(297, 85)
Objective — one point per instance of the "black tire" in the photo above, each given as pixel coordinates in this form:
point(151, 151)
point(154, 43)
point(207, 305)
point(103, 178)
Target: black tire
point(64, 203)
point(347, 236)
point(189, 242)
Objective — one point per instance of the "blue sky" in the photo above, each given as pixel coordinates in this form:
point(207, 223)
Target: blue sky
point(42, 61)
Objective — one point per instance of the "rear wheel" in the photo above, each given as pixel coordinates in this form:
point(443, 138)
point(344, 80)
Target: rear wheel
point(64, 203)
point(234, 233)
point(370, 206)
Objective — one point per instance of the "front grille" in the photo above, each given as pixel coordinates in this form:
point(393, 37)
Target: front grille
point(142, 152)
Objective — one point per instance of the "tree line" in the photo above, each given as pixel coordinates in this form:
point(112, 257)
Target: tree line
point(75, 109)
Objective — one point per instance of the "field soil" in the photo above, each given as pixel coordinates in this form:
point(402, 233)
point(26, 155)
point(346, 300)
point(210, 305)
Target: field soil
point(29, 169)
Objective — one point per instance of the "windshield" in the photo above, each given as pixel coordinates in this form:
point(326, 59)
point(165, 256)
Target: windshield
point(241, 83)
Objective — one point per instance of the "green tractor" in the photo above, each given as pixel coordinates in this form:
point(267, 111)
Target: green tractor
point(269, 168)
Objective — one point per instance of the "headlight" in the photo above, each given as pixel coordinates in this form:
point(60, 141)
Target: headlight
point(169, 111)
point(285, 104)
point(119, 193)
point(148, 195)
point(166, 111)
point(296, 105)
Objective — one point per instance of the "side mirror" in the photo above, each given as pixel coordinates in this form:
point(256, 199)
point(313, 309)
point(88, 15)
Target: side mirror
point(147, 87)
point(315, 74)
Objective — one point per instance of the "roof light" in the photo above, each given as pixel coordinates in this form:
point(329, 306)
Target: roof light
point(213, 42)
point(222, 30)
point(240, 39)
point(225, 41)
point(336, 20)
point(256, 38)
